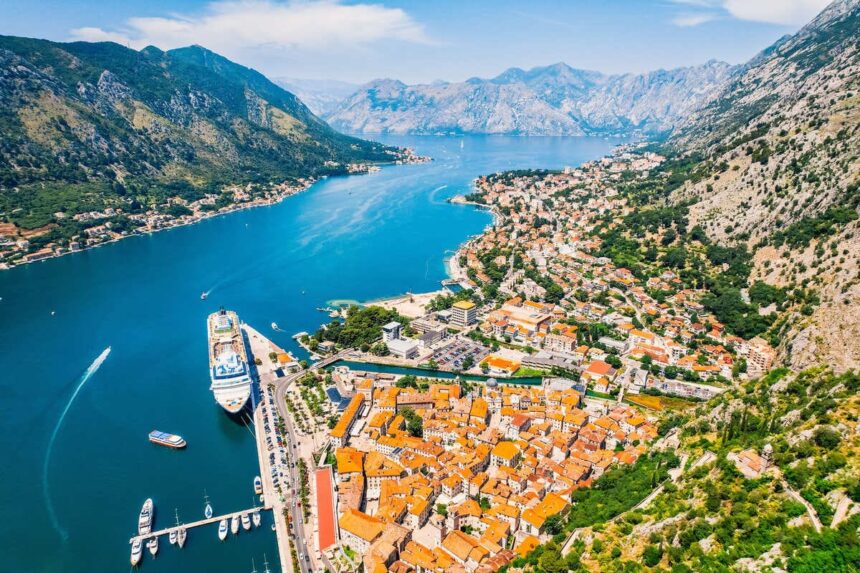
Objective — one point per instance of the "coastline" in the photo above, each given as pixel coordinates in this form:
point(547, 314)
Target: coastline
point(199, 217)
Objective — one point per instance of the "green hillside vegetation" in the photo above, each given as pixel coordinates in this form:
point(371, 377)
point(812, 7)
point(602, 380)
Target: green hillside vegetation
point(84, 126)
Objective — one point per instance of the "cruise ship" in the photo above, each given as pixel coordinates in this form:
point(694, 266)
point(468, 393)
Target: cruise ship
point(229, 370)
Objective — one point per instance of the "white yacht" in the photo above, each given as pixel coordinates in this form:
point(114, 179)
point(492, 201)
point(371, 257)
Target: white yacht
point(257, 519)
point(152, 545)
point(172, 536)
point(136, 552)
point(246, 522)
point(222, 530)
point(234, 525)
point(144, 520)
point(207, 507)
point(229, 371)
point(181, 536)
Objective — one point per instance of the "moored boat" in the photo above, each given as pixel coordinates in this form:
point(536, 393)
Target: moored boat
point(136, 552)
point(207, 507)
point(167, 440)
point(222, 530)
point(181, 537)
point(144, 520)
point(258, 485)
point(152, 545)
point(229, 372)
point(172, 536)
point(257, 519)
point(234, 525)
point(246, 522)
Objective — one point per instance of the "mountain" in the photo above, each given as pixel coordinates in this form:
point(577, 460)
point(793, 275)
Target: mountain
point(321, 96)
point(551, 100)
point(776, 169)
point(89, 125)
point(763, 478)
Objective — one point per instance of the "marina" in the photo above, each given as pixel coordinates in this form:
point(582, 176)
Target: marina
point(237, 515)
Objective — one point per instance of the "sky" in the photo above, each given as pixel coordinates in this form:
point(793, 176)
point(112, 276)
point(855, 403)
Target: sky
point(428, 40)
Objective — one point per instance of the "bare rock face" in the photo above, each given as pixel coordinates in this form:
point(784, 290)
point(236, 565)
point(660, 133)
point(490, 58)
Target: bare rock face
point(781, 144)
point(551, 100)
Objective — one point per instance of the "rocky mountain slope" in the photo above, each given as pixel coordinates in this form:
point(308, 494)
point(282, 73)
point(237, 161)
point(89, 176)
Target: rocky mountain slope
point(552, 100)
point(777, 166)
point(87, 125)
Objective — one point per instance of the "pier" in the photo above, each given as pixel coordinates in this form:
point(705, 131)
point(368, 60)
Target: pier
point(201, 523)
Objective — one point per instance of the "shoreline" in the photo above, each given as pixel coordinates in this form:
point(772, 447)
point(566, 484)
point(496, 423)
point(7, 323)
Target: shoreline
point(198, 218)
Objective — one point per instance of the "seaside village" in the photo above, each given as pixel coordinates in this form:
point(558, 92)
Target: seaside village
point(452, 475)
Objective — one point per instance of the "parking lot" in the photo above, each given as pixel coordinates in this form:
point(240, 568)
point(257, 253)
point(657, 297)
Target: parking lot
point(453, 355)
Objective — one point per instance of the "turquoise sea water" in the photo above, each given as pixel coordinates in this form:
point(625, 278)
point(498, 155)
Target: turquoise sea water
point(359, 237)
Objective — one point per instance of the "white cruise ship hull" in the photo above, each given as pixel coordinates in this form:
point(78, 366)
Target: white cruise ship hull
point(229, 367)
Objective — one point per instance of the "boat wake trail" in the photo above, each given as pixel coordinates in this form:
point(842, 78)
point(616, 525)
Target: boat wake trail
point(434, 193)
point(46, 489)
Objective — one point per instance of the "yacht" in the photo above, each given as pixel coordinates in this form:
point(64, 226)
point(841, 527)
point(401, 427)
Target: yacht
point(258, 485)
point(275, 326)
point(257, 519)
point(144, 520)
point(234, 525)
point(203, 295)
point(171, 537)
point(181, 536)
point(207, 508)
point(246, 522)
point(222, 530)
point(136, 552)
point(229, 371)
point(152, 545)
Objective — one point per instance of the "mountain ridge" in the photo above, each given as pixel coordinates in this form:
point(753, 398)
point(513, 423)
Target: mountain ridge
point(545, 100)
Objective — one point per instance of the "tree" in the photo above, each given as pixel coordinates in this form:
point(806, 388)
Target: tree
point(826, 438)
point(442, 509)
point(652, 555)
point(552, 562)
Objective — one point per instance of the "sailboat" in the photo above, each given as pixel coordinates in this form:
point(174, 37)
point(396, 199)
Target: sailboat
point(181, 536)
point(207, 509)
point(173, 536)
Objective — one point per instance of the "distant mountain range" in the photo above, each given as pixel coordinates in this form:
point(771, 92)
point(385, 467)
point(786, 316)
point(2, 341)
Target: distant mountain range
point(321, 96)
point(87, 125)
point(551, 100)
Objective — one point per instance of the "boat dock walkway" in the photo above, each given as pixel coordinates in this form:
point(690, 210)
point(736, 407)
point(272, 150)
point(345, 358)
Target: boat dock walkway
point(201, 523)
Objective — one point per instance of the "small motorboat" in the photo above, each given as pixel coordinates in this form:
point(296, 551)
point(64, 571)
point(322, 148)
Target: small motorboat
point(152, 545)
point(275, 326)
point(207, 508)
point(136, 552)
point(257, 519)
point(234, 525)
point(258, 485)
point(203, 295)
point(222, 530)
point(181, 537)
point(172, 536)
point(246, 522)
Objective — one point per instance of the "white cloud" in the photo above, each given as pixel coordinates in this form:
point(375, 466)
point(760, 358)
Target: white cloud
point(783, 12)
point(234, 26)
point(786, 12)
point(695, 19)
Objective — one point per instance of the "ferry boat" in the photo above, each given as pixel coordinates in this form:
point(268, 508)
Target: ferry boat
point(167, 440)
point(258, 485)
point(144, 520)
point(229, 371)
point(136, 552)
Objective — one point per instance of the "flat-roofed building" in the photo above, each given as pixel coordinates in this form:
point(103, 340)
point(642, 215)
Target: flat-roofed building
point(464, 313)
